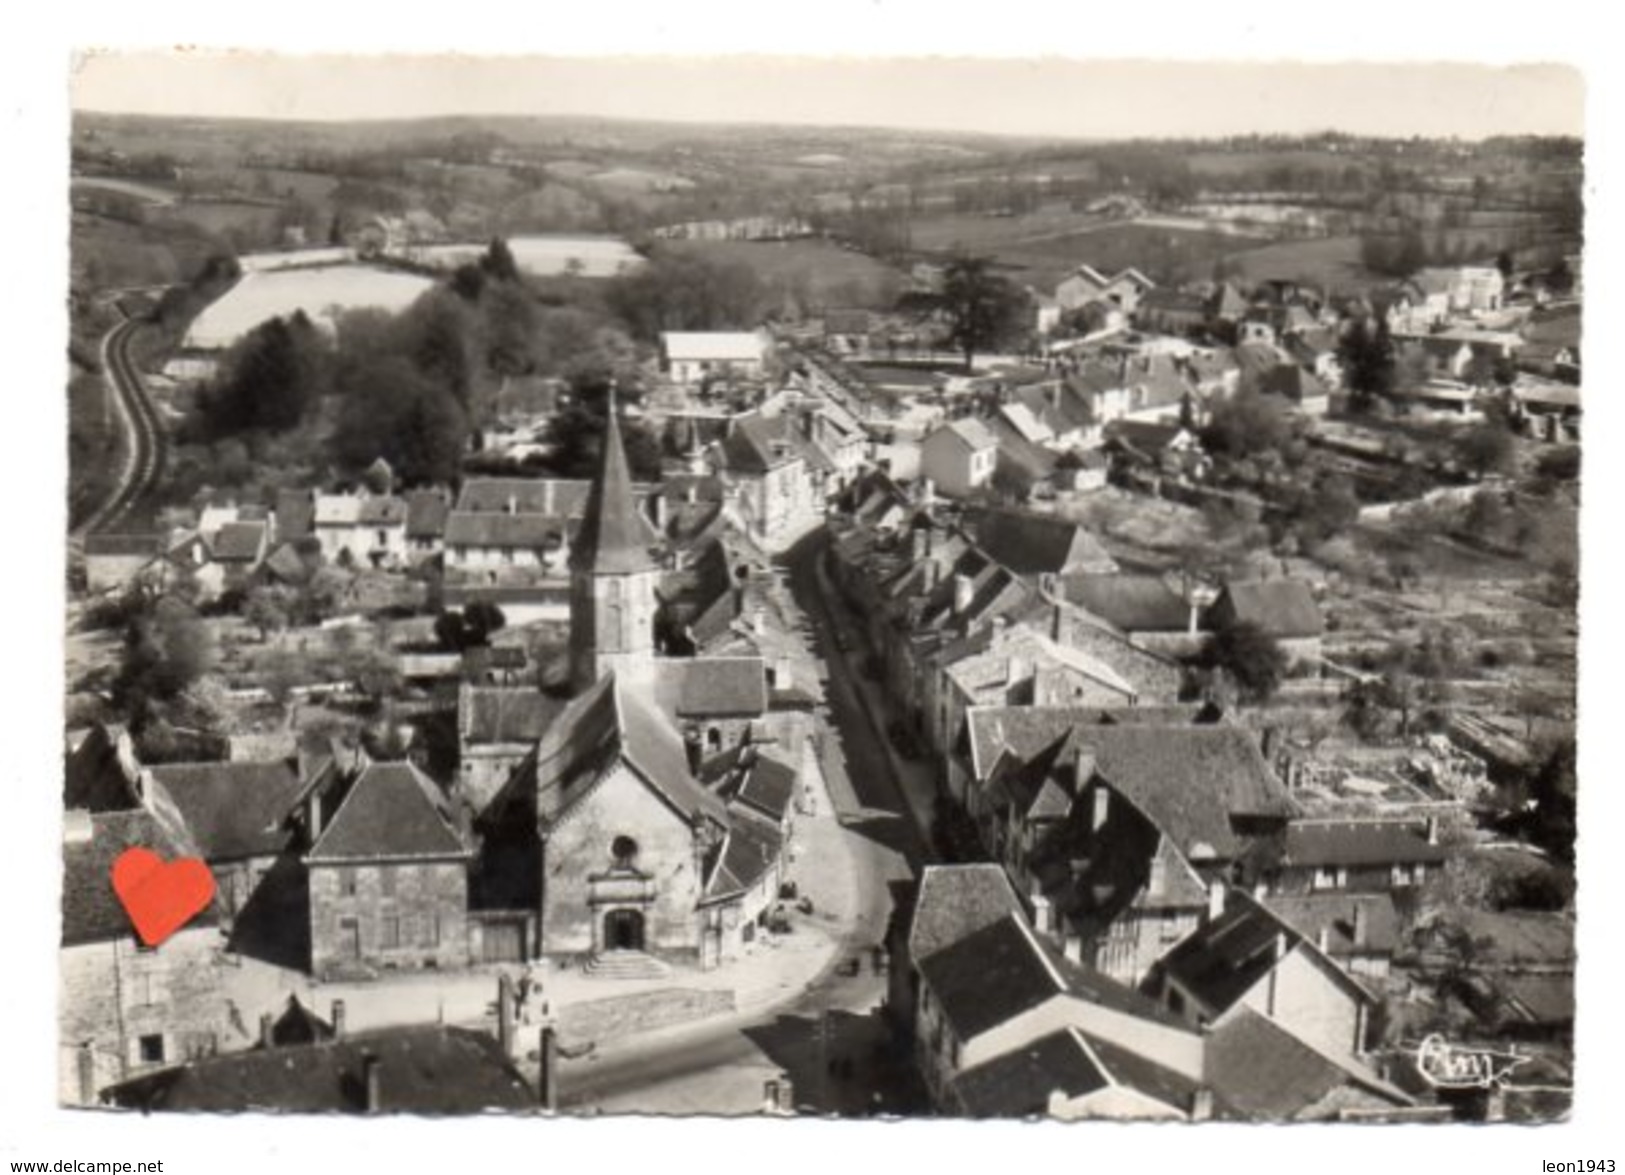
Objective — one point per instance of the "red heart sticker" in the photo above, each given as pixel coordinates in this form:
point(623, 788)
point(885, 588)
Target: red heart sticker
point(160, 897)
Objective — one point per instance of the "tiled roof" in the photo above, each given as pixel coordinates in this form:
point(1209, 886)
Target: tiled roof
point(1131, 602)
point(524, 495)
point(1283, 608)
point(1018, 1084)
point(514, 531)
point(238, 542)
point(501, 715)
point(421, 1070)
point(954, 901)
point(1521, 937)
point(1309, 914)
point(1032, 544)
point(382, 511)
point(1265, 1073)
point(705, 687)
point(393, 810)
point(1024, 731)
point(769, 786)
point(91, 911)
point(614, 537)
point(1133, 1071)
point(757, 443)
point(972, 433)
point(1030, 427)
point(1358, 842)
point(233, 810)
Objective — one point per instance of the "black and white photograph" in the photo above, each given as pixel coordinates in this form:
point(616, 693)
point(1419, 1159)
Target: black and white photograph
point(906, 588)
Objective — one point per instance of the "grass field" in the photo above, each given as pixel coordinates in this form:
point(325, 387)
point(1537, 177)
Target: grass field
point(106, 253)
point(825, 272)
point(320, 293)
point(1161, 253)
point(1332, 263)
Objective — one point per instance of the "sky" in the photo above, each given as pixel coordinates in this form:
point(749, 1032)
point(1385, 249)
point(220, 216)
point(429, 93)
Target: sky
point(1034, 96)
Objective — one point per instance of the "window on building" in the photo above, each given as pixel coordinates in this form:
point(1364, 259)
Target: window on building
point(150, 1049)
point(383, 538)
point(386, 881)
point(1326, 878)
point(390, 932)
point(347, 882)
point(624, 851)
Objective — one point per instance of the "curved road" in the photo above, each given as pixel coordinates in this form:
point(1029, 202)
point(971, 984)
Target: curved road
point(144, 436)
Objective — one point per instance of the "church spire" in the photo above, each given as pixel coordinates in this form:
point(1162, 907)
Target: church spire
point(614, 537)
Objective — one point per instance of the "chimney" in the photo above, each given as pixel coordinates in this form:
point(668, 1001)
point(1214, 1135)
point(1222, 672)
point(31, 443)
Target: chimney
point(928, 492)
point(512, 505)
point(1433, 830)
point(1043, 911)
point(1102, 808)
point(1202, 1105)
point(547, 1076)
point(1361, 925)
point(85, 1061)
point(370, 1080)
point(1323, 938)
point(313, 814)
point(505, 1013)
point(783, 673)
point(770, 1096)
point(1157, 880)
point(1072, 947)
point(963, 592)
point(661, 512)
point(918, 540)
point(267, 1031)
point(758, 624)
point(787, 1094)
point(1215, 899)
point(338, 1019)
point(77, 828)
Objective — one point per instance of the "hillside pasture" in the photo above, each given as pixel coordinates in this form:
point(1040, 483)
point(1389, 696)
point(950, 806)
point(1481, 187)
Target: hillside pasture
point(321, 293)
point(1163, 254)
point(819, 273)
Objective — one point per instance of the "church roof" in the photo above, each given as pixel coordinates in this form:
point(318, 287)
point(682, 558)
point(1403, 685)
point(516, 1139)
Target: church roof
point(614, 536)
point(393, 810)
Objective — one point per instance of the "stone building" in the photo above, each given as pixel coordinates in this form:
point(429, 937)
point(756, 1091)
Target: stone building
point(388, 877)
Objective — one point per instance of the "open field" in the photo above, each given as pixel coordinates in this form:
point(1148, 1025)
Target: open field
point(114, 254)
point(830, 274)
point(546, 256)
point(1163, 254)
point(320, 293)
point(146, 193)
point(1331, 263)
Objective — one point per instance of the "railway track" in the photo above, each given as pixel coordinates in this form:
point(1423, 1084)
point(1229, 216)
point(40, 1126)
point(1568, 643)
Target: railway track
point(144, 454)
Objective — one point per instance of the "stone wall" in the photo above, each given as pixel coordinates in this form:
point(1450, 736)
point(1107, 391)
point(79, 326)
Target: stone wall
point(426, 916)
point(116, 995)
point(579, 849)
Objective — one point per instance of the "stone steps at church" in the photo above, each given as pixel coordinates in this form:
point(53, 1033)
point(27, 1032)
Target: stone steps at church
point(626, 965)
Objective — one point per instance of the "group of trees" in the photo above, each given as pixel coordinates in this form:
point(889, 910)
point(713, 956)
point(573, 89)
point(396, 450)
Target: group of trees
point(679, 290)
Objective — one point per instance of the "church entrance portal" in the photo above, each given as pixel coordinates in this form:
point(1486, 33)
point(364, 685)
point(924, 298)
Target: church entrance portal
point(623, 930)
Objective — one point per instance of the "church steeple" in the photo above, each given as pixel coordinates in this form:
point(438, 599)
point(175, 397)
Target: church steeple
point(613, 574)
point(614, 537)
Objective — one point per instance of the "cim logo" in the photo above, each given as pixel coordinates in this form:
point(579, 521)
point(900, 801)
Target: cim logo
point(1452, 1066)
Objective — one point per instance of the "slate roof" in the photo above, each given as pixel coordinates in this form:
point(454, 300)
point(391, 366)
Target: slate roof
point(500, 715)
point(611, 722)
point(1023, 731)
point(1358, 842)
point(752, 847)
point(392, 811)
point(1283, 608)
point(91, 911)
point(1018, 1084)
point(1028, 426)
point(1032, 544)
point(382, 511)
point(1265, 1073)
point(769, 786)
point(299, 1025)
point(953, 901)
point(1131, 602)
point(421, 1070)
point(711, 687)
point(1130, 1069)
point(615, 537)
point(233, 810)
point(756, 444)
point(238, 542)
point(994, 974)
point(1191, 781)
point(1222, 959)
point(1521, 937)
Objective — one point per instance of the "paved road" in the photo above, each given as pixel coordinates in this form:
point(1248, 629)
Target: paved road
point(144, 438)
point(720, 1068)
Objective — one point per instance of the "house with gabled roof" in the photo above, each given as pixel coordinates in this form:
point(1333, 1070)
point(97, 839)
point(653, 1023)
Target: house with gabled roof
point(775, 477)
point(1246, 958)
point(126, 1008)
point(497, 726)
point(959, 457)
point(1284, 609)
point(388, 877)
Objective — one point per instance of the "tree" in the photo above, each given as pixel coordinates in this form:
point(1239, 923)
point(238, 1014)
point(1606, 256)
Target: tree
point(268, 608)
point(271, 379)
point(166, 649)
point(1252, 658)
point(983, 308)
point(1503, 261)
point(1367, 355)
point(1245, 425)
point(393, 411)
point(1485, 448)
point(1553, 790)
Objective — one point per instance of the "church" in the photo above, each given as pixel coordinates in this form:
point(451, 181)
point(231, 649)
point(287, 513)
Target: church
point(649, 821)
